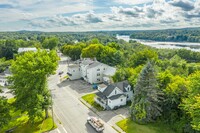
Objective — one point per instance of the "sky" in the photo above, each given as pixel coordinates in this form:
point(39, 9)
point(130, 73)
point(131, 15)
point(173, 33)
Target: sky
point(97, 15)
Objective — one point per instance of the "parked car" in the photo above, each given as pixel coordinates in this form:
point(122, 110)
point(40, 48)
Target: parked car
point(60, 73)
point(96, 123)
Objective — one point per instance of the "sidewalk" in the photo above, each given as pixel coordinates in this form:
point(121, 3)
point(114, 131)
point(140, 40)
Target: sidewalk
point(113, 121)
point(60, 128)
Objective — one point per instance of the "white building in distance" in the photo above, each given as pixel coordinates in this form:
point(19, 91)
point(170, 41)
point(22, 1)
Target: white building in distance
point(4, 77)
point(20, 50)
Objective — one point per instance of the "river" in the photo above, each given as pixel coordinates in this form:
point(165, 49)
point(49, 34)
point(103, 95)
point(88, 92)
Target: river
point(169, 45)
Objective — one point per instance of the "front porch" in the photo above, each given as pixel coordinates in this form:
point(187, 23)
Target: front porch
point(101, 102)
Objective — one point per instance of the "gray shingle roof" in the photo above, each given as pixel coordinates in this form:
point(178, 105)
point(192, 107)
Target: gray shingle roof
point(111, 87)
point(108, 90)
point(94, 64)
point(116, 96)
point(121, 85)
point(73, 66)
point(101, 95)
point(86, 62)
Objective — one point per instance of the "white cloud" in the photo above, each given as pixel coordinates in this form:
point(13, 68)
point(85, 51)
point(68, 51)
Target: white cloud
point(158, 15)
point(29, 9)
point(133, 2)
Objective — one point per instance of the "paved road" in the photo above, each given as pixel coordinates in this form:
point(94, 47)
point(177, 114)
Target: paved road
point(69, 110)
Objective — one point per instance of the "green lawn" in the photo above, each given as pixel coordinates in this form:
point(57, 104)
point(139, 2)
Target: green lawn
point(89, 98)
point(131, 127)
point(38, 127)
point(23, 124)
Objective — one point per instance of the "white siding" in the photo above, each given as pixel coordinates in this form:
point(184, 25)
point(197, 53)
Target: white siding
point(83, 71)
point(129, 95)
point(117, 102)
point(95, 74)
point(75, 72)
point(90, 74)
point(128, 88)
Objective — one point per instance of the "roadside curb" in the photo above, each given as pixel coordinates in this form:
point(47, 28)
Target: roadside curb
point(118, 129)
point(89, 106)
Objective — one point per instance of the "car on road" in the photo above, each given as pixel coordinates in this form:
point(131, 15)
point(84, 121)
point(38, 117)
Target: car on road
point(96, 123)
point(60, 73)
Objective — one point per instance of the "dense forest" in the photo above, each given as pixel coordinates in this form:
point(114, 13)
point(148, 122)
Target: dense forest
point(169, 78)
point(174, 35)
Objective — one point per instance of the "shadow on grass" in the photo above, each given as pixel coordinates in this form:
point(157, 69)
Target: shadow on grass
point(89, 98)
point(24, 125)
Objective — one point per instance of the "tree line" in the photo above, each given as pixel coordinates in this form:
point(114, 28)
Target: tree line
point(174, 35)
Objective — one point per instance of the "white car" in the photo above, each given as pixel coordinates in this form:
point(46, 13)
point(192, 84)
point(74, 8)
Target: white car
point(96, 123)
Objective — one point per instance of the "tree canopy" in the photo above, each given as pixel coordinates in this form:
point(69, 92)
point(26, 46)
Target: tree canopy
point(4, 111)
point(191, 104)
point(29, 81)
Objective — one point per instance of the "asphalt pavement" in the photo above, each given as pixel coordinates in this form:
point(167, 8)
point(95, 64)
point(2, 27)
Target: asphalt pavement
point(68, 109)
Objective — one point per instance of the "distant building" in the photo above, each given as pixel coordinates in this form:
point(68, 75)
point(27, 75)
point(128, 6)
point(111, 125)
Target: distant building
point(3, 80)
point(20, 50)
point(114, 95)
point(91, 71)
point(4, 76)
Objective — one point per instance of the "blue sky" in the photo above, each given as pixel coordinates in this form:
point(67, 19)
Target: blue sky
point(92, 15)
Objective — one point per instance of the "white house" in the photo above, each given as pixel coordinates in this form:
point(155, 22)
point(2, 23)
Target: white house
point(20, 50)
point(92, 71)
point(74, 72)
point(114, 95)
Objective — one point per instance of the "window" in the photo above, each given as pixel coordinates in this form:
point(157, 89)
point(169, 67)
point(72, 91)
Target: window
point(121, 100)
point(98, 79)
point(98, 74)
point(127, 96)
point(115, 91)
point(73, 70)
point(104, 68)
point(98, 69)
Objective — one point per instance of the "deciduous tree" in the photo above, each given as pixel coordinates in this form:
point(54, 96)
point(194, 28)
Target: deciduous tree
point(29, 81)
point(191, 104)
point(4, 111)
